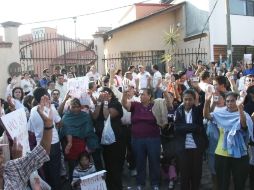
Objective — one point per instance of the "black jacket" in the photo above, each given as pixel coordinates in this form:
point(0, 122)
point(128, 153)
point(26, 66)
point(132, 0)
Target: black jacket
point(196, 128)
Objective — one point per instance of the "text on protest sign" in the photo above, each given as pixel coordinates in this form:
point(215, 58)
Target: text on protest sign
point(16, 125)
point(93, 181)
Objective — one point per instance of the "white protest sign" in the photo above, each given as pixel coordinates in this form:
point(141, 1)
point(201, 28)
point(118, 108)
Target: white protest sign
point(93, 181)
point(16, 125)
point(77, 86)
point(247, 58)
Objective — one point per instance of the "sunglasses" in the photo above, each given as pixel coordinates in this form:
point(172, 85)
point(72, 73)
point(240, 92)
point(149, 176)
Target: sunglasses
point(249, 80)
point(55, 93)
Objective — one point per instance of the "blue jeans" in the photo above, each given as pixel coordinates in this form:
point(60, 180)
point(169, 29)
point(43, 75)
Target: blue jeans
point(144, 148)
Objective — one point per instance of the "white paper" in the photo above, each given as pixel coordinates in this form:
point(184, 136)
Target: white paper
point(247, 58)
point(93, 181)
point(16, 125)
point(77, 86)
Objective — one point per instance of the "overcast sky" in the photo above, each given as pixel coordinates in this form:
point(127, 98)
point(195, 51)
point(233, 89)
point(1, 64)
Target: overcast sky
point(27, 11)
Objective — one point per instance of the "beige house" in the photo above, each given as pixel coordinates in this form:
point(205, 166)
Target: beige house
point(144, 36)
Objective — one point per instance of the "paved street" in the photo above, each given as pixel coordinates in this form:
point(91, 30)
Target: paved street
point(206, 183)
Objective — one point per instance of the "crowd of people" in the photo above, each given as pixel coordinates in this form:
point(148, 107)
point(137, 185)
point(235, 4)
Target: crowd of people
point(173, 121)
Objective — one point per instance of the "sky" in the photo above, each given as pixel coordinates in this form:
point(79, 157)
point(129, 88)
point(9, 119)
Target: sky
point(27, 11)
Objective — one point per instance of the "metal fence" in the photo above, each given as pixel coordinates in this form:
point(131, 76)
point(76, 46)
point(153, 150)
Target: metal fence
point(51, 50)
point(181, 59)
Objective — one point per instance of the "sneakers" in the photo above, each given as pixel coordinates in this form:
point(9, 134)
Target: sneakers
point(155, 188)
point(133, 173)
point(171, 185)
point(139, 187)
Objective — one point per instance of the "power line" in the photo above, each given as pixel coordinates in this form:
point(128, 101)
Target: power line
point(82, 15)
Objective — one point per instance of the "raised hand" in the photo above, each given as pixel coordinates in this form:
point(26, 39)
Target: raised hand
point(16, 149)
point(240, 100)
point(67, 96)
point(45, 111)
point(11, 103)
point(208, 96)
point(126, 84)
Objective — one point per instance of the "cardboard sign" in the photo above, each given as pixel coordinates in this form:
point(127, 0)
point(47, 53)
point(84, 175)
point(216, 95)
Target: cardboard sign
point(16, 125)
point(93, 181)
point(77, 86)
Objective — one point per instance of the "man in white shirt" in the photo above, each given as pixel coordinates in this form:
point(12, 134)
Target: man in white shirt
point(205, 82)
point(157, 79)
point(35, 125)
point(144, 78)
point(61, 86)
point(134, 75)
point(27, 84)
point(93, 75)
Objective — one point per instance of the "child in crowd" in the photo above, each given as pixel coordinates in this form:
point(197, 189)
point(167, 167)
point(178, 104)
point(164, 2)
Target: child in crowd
point(172, 173)
point(84, 167)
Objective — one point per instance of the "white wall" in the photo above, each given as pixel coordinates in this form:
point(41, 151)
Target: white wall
point(242, 27)
point(8, 55)
point(99, 49)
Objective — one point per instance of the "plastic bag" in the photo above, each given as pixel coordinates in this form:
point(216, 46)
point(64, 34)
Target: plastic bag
point(108, 135)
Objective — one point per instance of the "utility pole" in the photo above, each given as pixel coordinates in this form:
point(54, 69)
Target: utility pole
point(229, 43)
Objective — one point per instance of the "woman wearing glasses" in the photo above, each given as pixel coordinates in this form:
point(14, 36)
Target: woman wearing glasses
point(235, 129)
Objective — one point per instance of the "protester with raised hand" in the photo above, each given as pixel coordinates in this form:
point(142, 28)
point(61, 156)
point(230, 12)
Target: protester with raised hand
point(145, 138)
point(113, 154)
point(17, 172)
point(235, 130)
point(35, 125)
point(191, 140)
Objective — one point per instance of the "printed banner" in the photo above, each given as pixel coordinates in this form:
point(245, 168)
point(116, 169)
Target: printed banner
point(93, 181)
point(16, 125)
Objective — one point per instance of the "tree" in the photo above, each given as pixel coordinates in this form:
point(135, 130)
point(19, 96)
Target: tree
point(171, 37)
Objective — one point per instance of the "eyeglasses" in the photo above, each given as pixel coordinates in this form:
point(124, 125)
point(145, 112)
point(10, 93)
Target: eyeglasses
point(230, 101)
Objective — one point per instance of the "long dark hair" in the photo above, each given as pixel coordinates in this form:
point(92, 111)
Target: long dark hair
point(108, 90)
point(22, 92)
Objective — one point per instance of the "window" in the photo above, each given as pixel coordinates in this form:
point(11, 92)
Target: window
point(242, 7)
point(250, 8)
point(238, 7)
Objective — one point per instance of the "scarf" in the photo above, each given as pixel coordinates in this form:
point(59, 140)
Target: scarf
point(235, 139)
point(76, 124)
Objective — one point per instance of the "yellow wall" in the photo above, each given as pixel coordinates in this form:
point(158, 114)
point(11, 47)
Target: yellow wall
point(142, 36)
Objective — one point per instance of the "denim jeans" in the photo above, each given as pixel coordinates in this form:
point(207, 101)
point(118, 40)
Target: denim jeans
point(144, 148)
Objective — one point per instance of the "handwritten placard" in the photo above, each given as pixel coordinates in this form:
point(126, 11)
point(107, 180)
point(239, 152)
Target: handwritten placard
point(77, 86)
point(93, 181)
point(16, 125)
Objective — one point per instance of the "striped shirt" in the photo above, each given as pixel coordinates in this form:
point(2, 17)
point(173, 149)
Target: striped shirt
point(80, 172)
point(17, 172)
point(189, 141)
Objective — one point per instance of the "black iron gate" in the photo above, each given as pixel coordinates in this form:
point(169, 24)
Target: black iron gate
point(51, 50)
point(181, 59)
